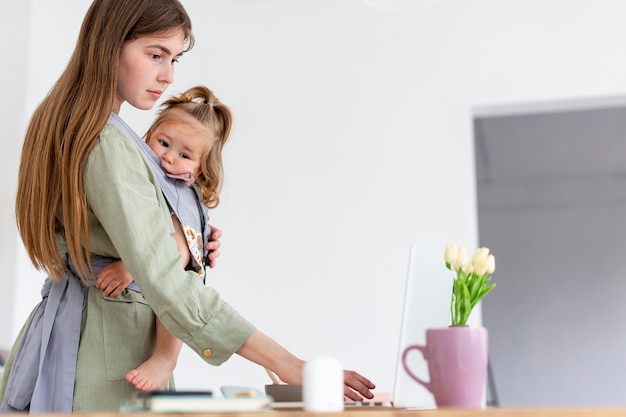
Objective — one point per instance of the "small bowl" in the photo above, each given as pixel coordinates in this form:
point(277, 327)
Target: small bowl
point(282, 393)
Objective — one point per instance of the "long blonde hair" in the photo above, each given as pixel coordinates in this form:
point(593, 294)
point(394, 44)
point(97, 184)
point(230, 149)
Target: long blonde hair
point(64, 128)
point(201, 104)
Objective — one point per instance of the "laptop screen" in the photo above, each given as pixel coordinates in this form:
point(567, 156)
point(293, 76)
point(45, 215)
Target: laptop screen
point(426, 305)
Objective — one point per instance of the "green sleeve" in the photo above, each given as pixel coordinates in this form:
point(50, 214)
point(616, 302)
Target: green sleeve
point(130, 212)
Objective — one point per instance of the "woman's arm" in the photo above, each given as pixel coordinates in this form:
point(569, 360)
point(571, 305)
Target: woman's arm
point(131, 214)
point(261, 349)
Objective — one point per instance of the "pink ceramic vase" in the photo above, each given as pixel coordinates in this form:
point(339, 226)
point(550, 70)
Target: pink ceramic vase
point(457, 364)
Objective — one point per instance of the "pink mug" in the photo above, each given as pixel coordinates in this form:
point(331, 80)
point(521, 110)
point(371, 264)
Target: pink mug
point(457, 365)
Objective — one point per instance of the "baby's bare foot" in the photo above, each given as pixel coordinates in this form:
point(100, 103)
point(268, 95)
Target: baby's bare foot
point(153, 374)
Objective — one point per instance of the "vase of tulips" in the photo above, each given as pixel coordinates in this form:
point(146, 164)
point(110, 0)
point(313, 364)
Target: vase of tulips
point(457, 355)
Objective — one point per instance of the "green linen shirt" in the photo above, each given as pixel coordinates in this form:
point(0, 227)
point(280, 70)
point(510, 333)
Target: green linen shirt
point(129, 219)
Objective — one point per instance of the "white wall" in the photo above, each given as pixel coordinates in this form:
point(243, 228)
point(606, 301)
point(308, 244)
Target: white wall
point(13, 21)
point(8, 112)
point(353, 139)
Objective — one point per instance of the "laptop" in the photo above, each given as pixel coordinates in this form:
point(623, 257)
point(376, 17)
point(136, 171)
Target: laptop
point(426, 305)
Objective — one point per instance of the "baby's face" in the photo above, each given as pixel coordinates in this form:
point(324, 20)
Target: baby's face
point(180, 145)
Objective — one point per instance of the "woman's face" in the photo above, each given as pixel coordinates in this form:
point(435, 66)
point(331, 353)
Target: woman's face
point(146, 69)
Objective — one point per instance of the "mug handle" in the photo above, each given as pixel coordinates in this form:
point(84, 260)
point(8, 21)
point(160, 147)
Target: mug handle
point(406, 367)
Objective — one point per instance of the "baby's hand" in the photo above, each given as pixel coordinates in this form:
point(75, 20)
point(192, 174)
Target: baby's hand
point(113, 279)
point(213, 245)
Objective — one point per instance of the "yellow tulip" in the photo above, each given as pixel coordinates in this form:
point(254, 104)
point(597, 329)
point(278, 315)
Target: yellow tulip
point(491, 264)
point(461, 259)
point(481, 267)
point(449, 255)
point(481, 253)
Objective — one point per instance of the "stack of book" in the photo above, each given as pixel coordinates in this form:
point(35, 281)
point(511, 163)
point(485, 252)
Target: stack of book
point(200, 401)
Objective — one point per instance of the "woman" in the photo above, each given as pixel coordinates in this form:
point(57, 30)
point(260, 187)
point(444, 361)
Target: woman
point(87, 196)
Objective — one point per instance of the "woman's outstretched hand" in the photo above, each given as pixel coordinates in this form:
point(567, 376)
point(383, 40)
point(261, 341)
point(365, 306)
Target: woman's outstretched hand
point(263, 350)
point(357, 386)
